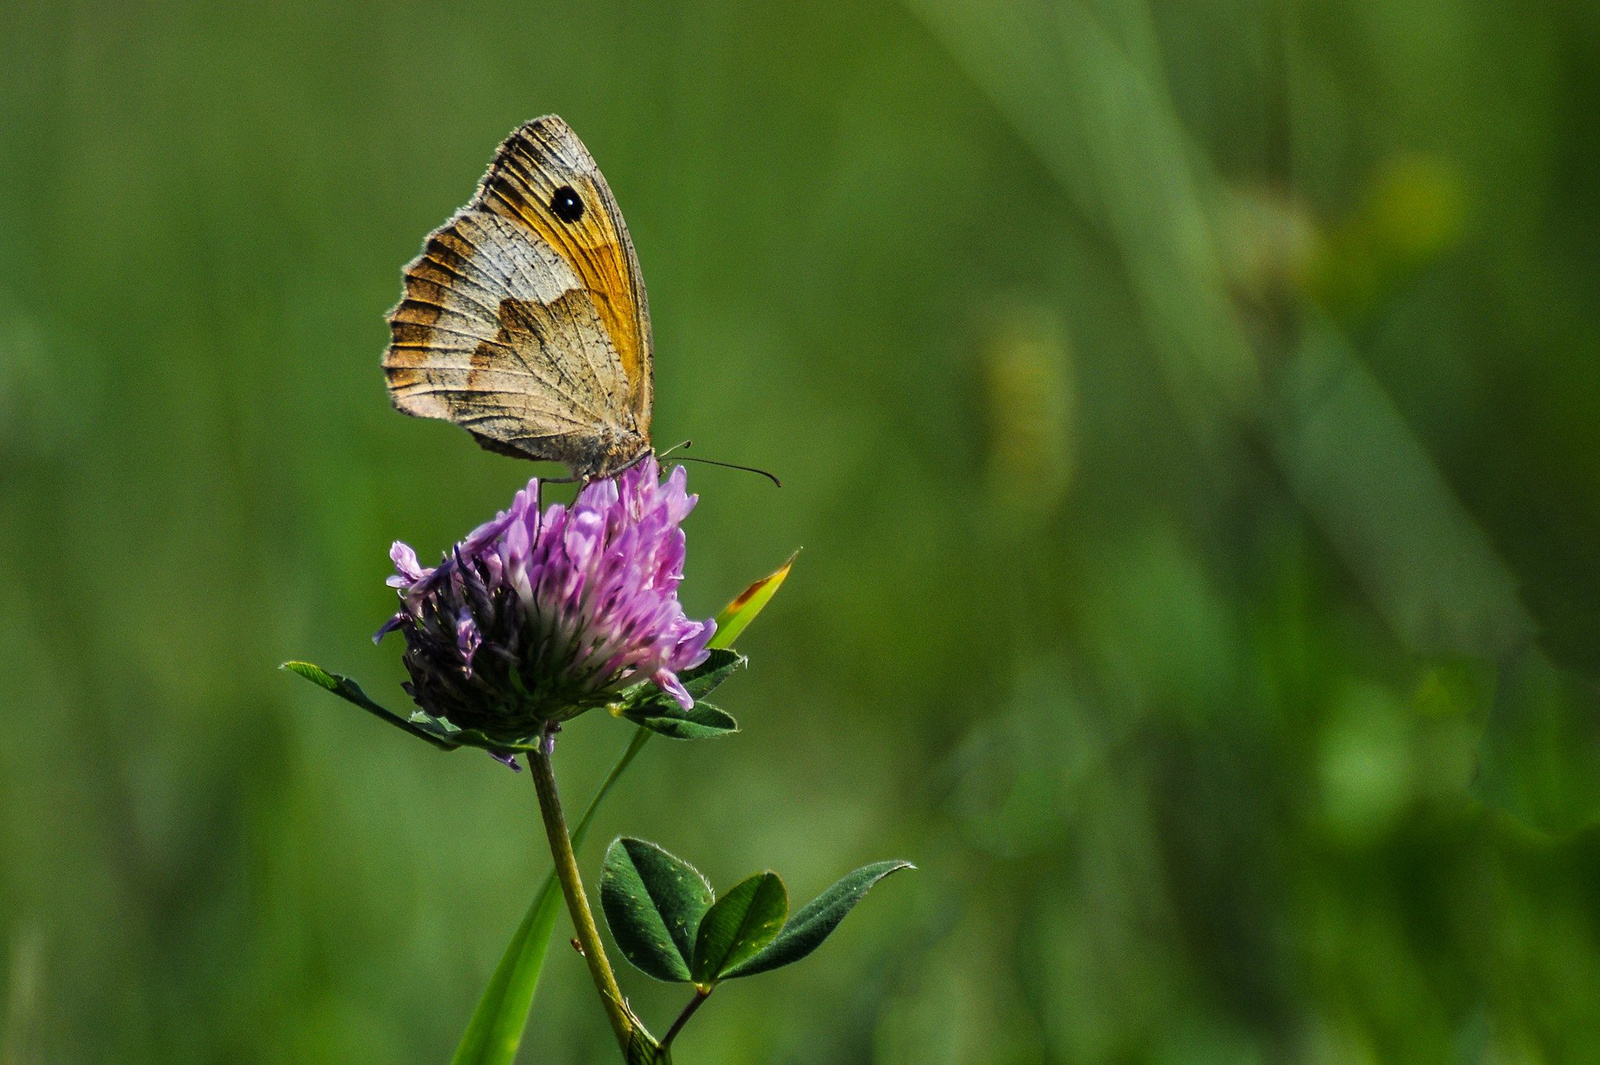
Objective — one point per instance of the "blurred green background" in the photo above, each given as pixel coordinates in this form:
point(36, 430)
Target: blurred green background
point(1190, 414)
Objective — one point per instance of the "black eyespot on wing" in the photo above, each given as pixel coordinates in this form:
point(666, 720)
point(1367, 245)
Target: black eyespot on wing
point(566, 204)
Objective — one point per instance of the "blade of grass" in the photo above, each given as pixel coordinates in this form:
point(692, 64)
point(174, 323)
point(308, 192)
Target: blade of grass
point(1083, 86)
point(496, 1028)
point(750, 602)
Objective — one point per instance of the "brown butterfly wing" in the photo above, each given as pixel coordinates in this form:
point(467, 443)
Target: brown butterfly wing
point(524, 319)
point(537, 161)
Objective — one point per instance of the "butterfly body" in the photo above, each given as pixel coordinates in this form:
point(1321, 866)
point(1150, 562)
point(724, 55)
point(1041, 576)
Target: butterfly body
point(524, 319)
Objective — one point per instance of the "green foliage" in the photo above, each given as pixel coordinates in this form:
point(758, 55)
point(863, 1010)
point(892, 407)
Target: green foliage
point(701, 721)
point(815, 921)
point(668, 922)
point(738, 925)
point(653, 902)
point(421, 725)
point(1540, 755)
point(644, 704)
point(649, 707)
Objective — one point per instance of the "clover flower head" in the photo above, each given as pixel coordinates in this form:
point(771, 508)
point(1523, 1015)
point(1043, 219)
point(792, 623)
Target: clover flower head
point(536, 617)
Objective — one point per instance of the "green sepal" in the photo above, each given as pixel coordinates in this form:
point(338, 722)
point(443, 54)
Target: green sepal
point(647, 705)
point(653, 903)
point(436, 730)
point(738, 926)
point(815, 921)
point(423, 726)
point(705, 678)
point(702, 721)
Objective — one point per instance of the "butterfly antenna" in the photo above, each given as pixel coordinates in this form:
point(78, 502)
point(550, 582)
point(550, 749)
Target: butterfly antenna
point(685, 445)
point(733, 466)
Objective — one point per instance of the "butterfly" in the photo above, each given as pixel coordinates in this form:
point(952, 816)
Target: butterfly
point(524, 320)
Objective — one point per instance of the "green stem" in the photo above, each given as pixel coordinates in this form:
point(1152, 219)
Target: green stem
point(495, 1030)
point(700, 995)
point(566, 862)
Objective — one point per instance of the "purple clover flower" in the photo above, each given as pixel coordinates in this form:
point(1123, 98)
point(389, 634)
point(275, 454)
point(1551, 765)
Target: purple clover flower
point(535, 618)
